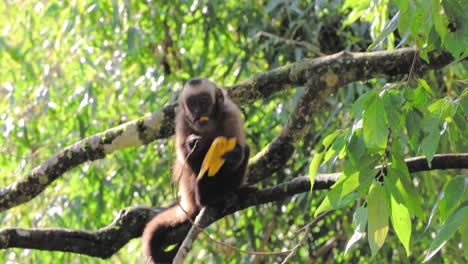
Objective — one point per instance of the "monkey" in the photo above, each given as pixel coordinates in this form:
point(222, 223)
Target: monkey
point(204, 113)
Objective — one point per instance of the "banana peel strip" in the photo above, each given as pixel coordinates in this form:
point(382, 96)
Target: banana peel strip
point(213, 159)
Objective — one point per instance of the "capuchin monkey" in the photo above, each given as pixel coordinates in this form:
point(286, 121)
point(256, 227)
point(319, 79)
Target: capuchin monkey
point(205, 112)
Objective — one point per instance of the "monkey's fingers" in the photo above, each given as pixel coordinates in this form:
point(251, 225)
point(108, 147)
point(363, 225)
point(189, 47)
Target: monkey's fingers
point(213, 160)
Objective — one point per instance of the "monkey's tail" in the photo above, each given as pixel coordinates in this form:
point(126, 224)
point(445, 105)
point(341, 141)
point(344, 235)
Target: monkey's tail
point(155, 240)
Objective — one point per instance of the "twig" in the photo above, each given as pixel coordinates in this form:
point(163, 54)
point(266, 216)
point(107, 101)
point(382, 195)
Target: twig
point(297, 246)
point(187, 243)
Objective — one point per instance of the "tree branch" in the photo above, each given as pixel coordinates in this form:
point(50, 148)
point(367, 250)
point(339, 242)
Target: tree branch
point(130, 223)
point(102, 243)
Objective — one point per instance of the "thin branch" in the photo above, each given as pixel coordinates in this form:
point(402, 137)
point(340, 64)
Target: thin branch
point(294, 250)
point(130, 223)
point(326, 247)
point(188, 241)
point(306, 230)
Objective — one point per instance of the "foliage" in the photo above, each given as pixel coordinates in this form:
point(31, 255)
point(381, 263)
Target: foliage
point(429, 24)
point(400, 119)
point(69, 70)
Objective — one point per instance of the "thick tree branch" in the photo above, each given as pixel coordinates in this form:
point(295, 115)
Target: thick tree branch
point(102, 243)
point(131, 134)
point(323, 76)
point(342, 67)
point(130, 223)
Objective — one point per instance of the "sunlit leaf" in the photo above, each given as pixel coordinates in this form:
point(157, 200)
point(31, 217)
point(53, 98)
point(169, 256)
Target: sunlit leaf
point(338, 147)
point(377, 227)
point(343, 191)
point(401, 222)
point(330, 138)
point(358, 9)
point(334, 202)
point(314, 165)
point(405, 188)
point(425, 86)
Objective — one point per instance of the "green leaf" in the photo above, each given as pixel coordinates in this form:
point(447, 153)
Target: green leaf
point(358, 106)
point(429, 145)
point(360, 222)
point(170, 247)
point(464, 238)
point(358, 9)
point(456, 38)
point(338, 146)
point(407, 9)
point(392, 102)
point(418, 97)
point(430, 126)
point(418, 18)
point(342, 192)
point(434, 207)
point(439, 18)
point(401, 221)
point(413, 126)
point(334, 202)
point(389, 28)
point(423, 84)
point(330, 139)
point(377, 227)
point(452, 195)
point(409, 195)
point(314, 165)
point(356, 147)
point(374, 126)
point(446, 232)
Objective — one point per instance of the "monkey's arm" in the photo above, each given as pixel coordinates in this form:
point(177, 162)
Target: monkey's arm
point(195, 150)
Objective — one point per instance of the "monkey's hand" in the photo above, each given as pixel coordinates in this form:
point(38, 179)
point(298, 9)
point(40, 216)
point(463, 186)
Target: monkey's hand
point(191, 143)
point(233, 158)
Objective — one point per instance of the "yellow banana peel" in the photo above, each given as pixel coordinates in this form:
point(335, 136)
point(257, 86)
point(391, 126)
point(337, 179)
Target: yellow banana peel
point(213, 159)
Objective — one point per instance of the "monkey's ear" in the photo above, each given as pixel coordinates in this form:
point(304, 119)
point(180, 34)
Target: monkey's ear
point(219, 96)
point(219, 104)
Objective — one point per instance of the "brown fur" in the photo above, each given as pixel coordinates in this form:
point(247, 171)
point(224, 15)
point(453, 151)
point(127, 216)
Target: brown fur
point(224, 119)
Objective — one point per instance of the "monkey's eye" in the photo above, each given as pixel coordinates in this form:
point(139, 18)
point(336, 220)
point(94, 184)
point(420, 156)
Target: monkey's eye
point(199, 102)
point(204, 100)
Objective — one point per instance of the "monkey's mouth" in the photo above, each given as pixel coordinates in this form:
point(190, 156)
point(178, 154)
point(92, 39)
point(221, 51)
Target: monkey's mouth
point(202, 120)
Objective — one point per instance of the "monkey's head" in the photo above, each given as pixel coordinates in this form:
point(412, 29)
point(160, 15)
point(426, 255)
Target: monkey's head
point(202, 102)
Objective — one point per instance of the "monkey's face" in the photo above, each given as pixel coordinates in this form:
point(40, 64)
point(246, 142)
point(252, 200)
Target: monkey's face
point(199, 109)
